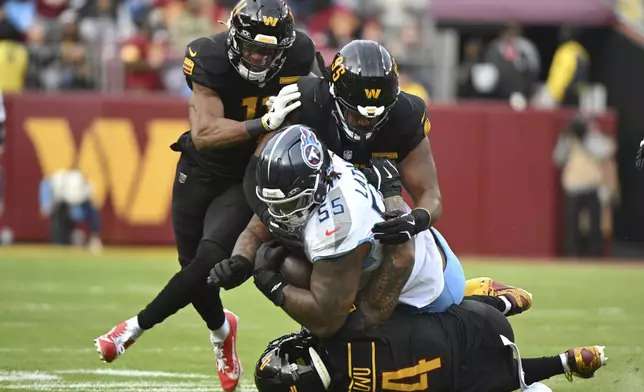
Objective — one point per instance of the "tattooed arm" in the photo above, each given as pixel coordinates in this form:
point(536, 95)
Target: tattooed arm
point(334, 284)
point(378, 300)
point(253, 236)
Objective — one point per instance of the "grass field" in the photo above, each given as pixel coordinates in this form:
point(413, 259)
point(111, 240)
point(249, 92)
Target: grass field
point(53, 302)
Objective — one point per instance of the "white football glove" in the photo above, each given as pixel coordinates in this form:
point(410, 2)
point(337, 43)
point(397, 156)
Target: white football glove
point(285, 102)
point(270, 101)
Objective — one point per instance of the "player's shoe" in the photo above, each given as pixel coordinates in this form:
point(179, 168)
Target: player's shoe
point(520, 300)
point(228, 365)
point(114, 343)
point(583, 362)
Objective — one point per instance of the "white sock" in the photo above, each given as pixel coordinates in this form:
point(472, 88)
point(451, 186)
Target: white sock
point(221, 334)
point(507, 303)
point(564, 362)
point(136, 328)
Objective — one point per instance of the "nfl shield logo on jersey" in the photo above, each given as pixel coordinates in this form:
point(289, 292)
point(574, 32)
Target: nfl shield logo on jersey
point(348, 154)
point(311, 149)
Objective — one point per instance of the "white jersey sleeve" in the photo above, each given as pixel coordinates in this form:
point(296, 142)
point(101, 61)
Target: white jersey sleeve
point(344, 220)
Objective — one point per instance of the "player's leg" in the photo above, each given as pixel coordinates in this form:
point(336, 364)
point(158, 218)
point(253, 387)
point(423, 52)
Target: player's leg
point(500, 360)
point(226, 218)
point(508, 300)
point(190, 201)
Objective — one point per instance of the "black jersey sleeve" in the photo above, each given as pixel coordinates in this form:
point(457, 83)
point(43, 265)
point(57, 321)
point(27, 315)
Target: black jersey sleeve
point(411, 120)
point(206, 63)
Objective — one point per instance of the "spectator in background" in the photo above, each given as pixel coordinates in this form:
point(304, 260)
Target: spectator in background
point(66, 200)
point(410, 86)
point(581, 152)
point(142, 59)
point(344, 27)
point(13, 55)
point(569, 70)
point(471, 58)
point(517, 61)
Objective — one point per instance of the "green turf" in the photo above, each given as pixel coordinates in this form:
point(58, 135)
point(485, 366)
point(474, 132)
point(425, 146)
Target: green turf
point(53, 302)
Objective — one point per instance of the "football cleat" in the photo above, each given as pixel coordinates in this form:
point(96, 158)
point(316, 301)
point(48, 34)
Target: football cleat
point(114, 343)
point(520, 300)
point(583, 362)
point(228, 366)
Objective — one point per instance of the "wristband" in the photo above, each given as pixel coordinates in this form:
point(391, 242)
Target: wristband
point(255, 127)
point(271, 284)
point(422, 217)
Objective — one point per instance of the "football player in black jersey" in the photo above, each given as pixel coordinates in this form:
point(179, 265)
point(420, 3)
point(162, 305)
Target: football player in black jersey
point(232, 75)
point(469, 348)
point(359, 112)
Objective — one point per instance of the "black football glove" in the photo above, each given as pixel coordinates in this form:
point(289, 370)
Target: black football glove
point(289, 239)
point(384, 176)
point(268, 279)
point(639, 160)
point(231, 273)
point(402, 228)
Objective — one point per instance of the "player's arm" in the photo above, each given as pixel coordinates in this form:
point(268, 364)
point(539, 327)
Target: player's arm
point(234, 271)
point(377, 301)
point(323, 308)
point(419, 177)
point(209, 128)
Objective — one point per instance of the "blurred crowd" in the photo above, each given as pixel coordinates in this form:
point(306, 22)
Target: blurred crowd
point(139, 44)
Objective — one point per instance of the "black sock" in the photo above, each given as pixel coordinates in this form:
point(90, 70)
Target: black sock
point(537, 369)
point(189, 285)
point(495, 302)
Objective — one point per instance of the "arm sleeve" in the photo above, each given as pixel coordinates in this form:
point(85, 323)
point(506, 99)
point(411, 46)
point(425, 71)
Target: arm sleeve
point(250, 183)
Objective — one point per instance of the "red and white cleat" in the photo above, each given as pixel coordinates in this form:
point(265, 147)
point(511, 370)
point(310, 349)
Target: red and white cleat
point(228, 365)
point(114, 343)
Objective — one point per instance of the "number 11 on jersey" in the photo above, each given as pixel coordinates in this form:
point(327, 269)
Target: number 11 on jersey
point(250, 103)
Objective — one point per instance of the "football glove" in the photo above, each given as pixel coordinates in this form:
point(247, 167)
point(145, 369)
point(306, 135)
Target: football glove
point(231, 273)
point(285, 237)
point(402, 228)
point(281, 106)
point(384, 176)
point(639, 160)
point(267, 277)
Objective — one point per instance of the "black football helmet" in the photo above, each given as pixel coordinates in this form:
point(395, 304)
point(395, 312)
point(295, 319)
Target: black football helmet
point(292, 363)
point(293, 175)
point(364, 85)
point(260, 32)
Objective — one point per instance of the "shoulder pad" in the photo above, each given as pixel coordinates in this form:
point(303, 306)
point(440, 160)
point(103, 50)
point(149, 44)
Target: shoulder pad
point(206, 61)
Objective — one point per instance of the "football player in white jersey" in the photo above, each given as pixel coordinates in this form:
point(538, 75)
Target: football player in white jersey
point(331, 204)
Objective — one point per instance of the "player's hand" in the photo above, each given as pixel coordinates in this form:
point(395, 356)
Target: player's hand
point(639, 160)
point(384, 176)
point(231, 273)
point(285, 237)
point(267, 278)
point(285, 102)
point(400, 229)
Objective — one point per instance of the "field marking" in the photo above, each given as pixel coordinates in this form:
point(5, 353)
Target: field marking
point(135, 386)
point(26, 376)
point(134, 373)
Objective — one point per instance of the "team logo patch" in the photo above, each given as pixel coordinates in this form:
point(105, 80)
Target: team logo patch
point(311, 149)
point(182, 178)
point(188, 66)
point(347, 154)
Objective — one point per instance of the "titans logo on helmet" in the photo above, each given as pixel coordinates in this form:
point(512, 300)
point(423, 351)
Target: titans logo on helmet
point(311, 149)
